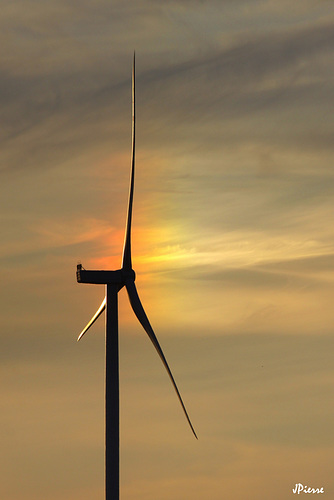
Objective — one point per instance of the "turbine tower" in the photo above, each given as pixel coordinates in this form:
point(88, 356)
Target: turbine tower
point(114, 281)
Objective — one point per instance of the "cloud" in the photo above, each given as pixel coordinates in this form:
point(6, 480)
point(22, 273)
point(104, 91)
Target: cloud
point(231, 235)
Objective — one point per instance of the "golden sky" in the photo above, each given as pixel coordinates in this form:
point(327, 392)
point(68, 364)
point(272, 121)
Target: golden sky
point(232, 245)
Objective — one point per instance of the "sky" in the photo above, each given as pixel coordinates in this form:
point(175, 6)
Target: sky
point(233, 245)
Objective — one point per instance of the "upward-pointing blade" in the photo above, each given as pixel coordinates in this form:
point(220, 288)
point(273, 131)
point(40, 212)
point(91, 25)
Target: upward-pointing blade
point(143, 319)
point(94, 318)
point(126, 260)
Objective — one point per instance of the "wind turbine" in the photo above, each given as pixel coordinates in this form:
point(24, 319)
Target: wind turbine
point(114, 281)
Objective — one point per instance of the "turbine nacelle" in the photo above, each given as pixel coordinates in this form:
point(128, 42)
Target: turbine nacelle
point(118, 277)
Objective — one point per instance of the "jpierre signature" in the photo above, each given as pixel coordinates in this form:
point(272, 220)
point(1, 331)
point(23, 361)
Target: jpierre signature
point(300, 488)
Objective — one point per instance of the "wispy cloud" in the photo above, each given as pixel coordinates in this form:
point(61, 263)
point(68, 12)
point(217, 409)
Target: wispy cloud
point(232, 239)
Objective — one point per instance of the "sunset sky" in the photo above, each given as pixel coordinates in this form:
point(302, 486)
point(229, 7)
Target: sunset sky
point(233, 245)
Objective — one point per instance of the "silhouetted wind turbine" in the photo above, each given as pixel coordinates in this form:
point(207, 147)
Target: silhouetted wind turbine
point(114, 281)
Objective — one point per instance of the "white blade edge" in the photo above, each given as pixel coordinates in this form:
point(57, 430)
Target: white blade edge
point(143, 319)
point(94, 318)
point(126, 259)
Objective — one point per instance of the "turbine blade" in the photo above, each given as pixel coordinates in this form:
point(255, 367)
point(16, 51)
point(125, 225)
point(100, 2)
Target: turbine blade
point(94, 318)
point(143, 319)
point(126, 259)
